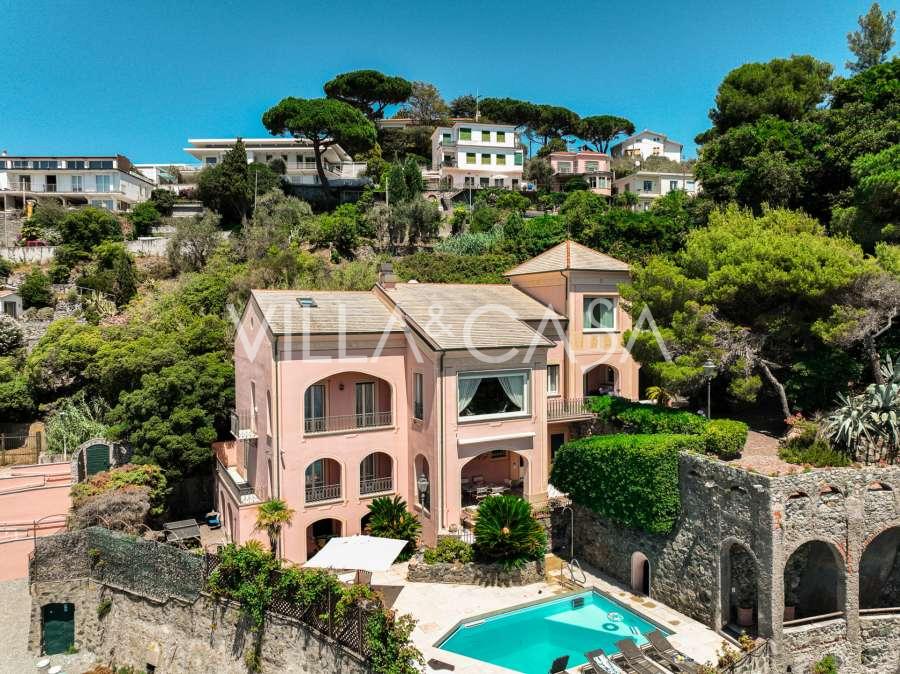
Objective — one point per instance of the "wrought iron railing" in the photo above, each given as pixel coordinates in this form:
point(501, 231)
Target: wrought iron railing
point(322, 492)
point(347, 422)
point(374, 485)
point(745, 664)
point(568, 408)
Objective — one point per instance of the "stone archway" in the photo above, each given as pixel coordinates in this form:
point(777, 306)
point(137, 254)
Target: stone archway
point(640, 574)
point(879, 572)
point(814, 581)
point(740, 588)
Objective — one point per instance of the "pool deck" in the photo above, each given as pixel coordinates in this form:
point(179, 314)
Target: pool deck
point(439, 607)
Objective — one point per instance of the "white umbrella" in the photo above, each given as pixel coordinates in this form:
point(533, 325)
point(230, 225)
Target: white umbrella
point(361, 553)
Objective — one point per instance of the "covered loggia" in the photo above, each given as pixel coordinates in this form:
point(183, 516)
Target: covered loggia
point(814, 582)
point(879, 573)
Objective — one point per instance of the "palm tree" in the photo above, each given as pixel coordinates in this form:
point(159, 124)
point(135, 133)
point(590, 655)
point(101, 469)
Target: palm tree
point(507, 532)
point(271, 516)
point(389, 518)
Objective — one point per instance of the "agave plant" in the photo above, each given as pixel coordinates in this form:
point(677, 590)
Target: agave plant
point(507, 532)
point(390, 518)
point(870, 420)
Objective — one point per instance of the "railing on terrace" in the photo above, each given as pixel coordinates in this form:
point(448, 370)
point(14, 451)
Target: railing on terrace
point(375, 485)
point(348, 422)
point(241, 426)
point(888, 610)
point(813, 619)
point(322, 492)
point(568, 408)
point(44, 188)
point(159, 571)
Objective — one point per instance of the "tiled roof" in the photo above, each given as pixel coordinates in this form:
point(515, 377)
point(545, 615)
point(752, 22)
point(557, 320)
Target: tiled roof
point(569, 255)
point(335, 312)
point(460, 316)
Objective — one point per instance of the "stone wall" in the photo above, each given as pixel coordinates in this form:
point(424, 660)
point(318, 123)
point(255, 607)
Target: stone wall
point(473, 573)
point(737, 521)
point(184, 636)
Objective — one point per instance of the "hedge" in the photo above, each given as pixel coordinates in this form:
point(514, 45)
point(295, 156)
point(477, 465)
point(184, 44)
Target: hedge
point(724, 438)
point(629, 478)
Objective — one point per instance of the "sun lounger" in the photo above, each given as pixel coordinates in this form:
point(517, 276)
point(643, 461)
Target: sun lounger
point(559, 665)
point(636, 660)
point(599, 663)
point(668, 653)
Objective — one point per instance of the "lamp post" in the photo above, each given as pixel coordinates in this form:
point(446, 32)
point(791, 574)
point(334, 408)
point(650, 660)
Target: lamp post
point(422, 484)
point(709, 371)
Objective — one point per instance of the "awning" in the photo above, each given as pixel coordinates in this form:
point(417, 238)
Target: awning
point(362, 553)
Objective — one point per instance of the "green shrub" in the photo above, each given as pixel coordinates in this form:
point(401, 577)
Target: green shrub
point(724, 438)
point(827, 665)
point(640, 418)
point(632, 479)
point(449, 550)
point(35, 290)
point(59, 273)
point(818, 454)
point(390, 518)
point(507, 532)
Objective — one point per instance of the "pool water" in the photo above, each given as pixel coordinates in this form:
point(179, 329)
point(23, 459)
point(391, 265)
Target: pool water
point(528, 639)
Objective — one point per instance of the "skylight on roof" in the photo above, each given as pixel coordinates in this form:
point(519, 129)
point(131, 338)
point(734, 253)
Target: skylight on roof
point(306, 302)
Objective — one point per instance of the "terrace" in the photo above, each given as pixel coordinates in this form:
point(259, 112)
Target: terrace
point(440, 607)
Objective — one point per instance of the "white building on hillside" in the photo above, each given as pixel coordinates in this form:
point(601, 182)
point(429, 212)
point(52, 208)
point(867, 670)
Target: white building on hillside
point(648, 144)
point(475, 154)
point(296, 153)
point(651, 185)
point(105, 181)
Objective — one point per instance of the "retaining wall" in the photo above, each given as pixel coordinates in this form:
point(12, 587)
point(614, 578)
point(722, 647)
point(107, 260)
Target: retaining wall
point(767, 519)
point(473, 573)
point(182, 637)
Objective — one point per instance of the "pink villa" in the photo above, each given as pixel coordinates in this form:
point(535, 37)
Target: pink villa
point(592, 167)
point(439, 393)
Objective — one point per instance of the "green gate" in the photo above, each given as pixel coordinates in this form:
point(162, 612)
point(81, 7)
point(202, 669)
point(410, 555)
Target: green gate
point(58, 634)
point(96, 459)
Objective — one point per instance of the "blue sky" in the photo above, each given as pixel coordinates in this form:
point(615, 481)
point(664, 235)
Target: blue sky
point(139, 77)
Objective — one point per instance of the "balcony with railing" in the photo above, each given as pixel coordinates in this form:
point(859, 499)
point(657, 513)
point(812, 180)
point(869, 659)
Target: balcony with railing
point(242, 426)
point(348, 422)
point(559, 409)
point(55, 188)
point(375, 474)
point(348, 402)
point(322, 492)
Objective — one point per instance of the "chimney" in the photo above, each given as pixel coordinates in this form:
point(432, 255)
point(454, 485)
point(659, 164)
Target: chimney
point(386, 276)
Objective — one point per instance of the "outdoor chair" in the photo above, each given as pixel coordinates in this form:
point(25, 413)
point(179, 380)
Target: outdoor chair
point(635, 659)
point(559, 665)
point(599, 663)
point(669, 654)
point(482, 493)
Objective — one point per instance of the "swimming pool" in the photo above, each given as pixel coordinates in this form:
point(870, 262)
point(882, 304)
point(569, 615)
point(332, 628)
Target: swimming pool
point(528, 639)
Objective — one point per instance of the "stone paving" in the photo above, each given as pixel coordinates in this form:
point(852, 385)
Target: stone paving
point(761, 455)
point(438, 607)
